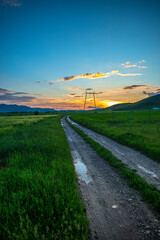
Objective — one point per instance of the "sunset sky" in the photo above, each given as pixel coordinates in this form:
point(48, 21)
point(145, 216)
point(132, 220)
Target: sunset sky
point(52, 51)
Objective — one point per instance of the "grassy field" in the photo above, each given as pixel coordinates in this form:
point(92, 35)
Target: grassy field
point(39, 198)
point(11, 122)
point(141, 133)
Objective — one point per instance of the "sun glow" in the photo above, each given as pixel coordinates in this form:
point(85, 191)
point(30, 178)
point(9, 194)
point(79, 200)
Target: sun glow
point(108, 103)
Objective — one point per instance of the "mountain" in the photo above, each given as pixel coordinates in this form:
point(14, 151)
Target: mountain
point(16, 108)
point(145, 104)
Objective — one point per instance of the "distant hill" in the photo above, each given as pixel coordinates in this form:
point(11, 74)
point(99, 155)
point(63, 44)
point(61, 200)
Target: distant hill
point(147, 103)
point(16, 108)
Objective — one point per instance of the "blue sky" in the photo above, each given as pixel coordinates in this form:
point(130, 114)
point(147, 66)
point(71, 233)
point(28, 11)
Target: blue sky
point(45, 41)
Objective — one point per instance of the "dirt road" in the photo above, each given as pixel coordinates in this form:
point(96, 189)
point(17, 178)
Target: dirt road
point(115, 211)
point(144, 166)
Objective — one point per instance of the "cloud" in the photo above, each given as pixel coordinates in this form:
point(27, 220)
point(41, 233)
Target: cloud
point(77, 88)
point(68, 78)
point(128, 74)
point(50, 83)
point(37, 82)
point(150, 94)
point(142, 66)
point(4, 91)
point(99, 75)
point(88, 89)
point(128, 65)
point(142, 61)
point(13, 96)
point(73, 88)
point(133, 87)
point(11, 3)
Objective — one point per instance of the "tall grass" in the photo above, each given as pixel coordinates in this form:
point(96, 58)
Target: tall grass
point(38, 190)
point(140, 133)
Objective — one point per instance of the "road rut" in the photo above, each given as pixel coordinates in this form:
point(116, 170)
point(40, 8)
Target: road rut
point(113, 209)
point(145, 167)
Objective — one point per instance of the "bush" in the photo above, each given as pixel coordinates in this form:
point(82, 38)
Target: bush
point(36, 113)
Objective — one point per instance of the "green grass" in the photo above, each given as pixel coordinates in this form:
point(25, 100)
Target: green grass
point(144, 104)
point(39, 198)
point(149, 192)
point(11, 121)
point(140, 133)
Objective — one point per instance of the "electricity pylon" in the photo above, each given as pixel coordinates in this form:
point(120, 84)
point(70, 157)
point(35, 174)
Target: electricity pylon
point(90, 93)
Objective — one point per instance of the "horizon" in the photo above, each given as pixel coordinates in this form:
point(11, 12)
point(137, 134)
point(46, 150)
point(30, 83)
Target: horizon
point(51, 52)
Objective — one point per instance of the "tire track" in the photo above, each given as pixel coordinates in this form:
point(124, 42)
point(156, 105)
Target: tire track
point(145, 167)
point(113, 209)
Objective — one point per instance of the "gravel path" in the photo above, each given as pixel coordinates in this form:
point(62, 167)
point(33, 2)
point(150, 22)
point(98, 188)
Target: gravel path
point(145, 167)
point(115, 211)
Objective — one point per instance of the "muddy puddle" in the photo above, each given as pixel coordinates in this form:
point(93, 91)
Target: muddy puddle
point(82, 171)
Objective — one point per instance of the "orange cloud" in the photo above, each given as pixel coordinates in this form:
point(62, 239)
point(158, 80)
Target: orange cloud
point(73, 88)
point(98, 75)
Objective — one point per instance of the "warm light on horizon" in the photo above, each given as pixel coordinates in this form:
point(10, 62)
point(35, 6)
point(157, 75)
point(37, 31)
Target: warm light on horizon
point(108, 103)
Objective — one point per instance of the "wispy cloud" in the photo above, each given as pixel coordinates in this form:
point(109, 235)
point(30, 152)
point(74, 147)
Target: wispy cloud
point(150, 94)
point(72, 94)
point(88, 89)
point(73, 88)
point(129, 65)
point(77, 96)
point(11, 3)
point(4, 91)
point(142, 66)
point(133, 87)
point(14, 97)
point(135, 65)
point(142, 61)
point(98, 75)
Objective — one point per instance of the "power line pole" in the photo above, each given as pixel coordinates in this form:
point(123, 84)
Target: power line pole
point(94, 98)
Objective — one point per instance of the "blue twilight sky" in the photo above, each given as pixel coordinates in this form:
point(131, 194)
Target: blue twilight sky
point(47, 47)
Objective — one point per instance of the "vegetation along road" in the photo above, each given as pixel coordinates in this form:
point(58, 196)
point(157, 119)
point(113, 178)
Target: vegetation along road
point(145, 167)
point(115, 211)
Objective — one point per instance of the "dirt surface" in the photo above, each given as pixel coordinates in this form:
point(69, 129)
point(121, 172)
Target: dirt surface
point(145, 167)
point(114, 210)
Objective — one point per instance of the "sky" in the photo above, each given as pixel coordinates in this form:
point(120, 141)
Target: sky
point(53, 52)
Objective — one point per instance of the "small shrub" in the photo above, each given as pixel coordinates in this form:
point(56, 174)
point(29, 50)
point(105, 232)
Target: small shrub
point(36, 113)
